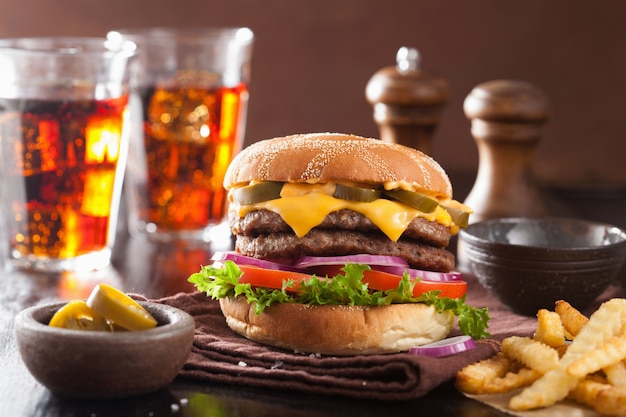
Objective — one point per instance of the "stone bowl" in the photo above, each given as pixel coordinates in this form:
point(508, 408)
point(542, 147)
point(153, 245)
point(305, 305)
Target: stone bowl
point(104, 365)
point(530, 263)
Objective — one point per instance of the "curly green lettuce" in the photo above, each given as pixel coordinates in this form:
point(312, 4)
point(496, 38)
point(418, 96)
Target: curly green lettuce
point(346, 288)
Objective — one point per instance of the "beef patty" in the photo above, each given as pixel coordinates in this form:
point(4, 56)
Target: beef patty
point(265, 222)
point(264, 234)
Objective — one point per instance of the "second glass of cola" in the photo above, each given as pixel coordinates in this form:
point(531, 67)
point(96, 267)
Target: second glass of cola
point(190, 90)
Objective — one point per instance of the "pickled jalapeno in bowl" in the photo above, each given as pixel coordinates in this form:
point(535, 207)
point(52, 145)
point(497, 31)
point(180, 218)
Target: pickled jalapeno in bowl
point(108, 346)
point(107, 308)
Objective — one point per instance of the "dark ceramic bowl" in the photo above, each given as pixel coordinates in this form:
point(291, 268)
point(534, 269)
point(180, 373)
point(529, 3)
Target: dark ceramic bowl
point(103, 365)
point(529, 263)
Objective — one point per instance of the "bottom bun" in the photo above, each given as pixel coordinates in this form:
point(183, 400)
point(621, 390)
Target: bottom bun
point(338, 330)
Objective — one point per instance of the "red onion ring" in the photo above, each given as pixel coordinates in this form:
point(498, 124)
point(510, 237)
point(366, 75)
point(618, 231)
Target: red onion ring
point(309, 261)
point(445, 347)
point(248, 260)
point(416, 273)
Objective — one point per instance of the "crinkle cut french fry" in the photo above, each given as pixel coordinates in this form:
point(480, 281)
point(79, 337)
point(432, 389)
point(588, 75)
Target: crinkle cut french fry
point(550, 388)
point(586, 392)
point(603, 398)
point(609, 354)
point(532, 353)
point(561, 350)
point(555, 385)
point(611, 401)
point(616, 374)
point(550, 329)
point(598, 343)
point(512, 381)
point(473, 378)
point(572, 319)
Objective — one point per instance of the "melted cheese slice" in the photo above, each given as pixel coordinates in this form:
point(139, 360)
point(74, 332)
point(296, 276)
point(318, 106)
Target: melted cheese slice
point(304, 212)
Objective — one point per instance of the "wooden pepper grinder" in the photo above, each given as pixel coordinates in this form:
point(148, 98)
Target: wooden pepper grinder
point(407, 101)
point(507, 119)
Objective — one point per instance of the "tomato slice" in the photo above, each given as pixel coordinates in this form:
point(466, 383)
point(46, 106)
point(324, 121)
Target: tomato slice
point(379, 280)
point(269, 278)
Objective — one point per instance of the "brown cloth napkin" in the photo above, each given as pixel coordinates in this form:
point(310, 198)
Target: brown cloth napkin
point(221, 356)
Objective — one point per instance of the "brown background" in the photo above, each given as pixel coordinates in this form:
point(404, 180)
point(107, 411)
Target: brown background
point(313, 59)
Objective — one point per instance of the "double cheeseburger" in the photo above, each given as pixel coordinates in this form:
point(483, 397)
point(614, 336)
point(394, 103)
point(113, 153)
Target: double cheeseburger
point(340, 248)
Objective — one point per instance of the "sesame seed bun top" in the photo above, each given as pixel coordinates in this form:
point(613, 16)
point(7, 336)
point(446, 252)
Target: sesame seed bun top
point(335, 157)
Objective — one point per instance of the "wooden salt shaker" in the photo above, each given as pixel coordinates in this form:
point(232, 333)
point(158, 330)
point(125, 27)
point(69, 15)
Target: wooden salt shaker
point(407, 101)
point(506, 122)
